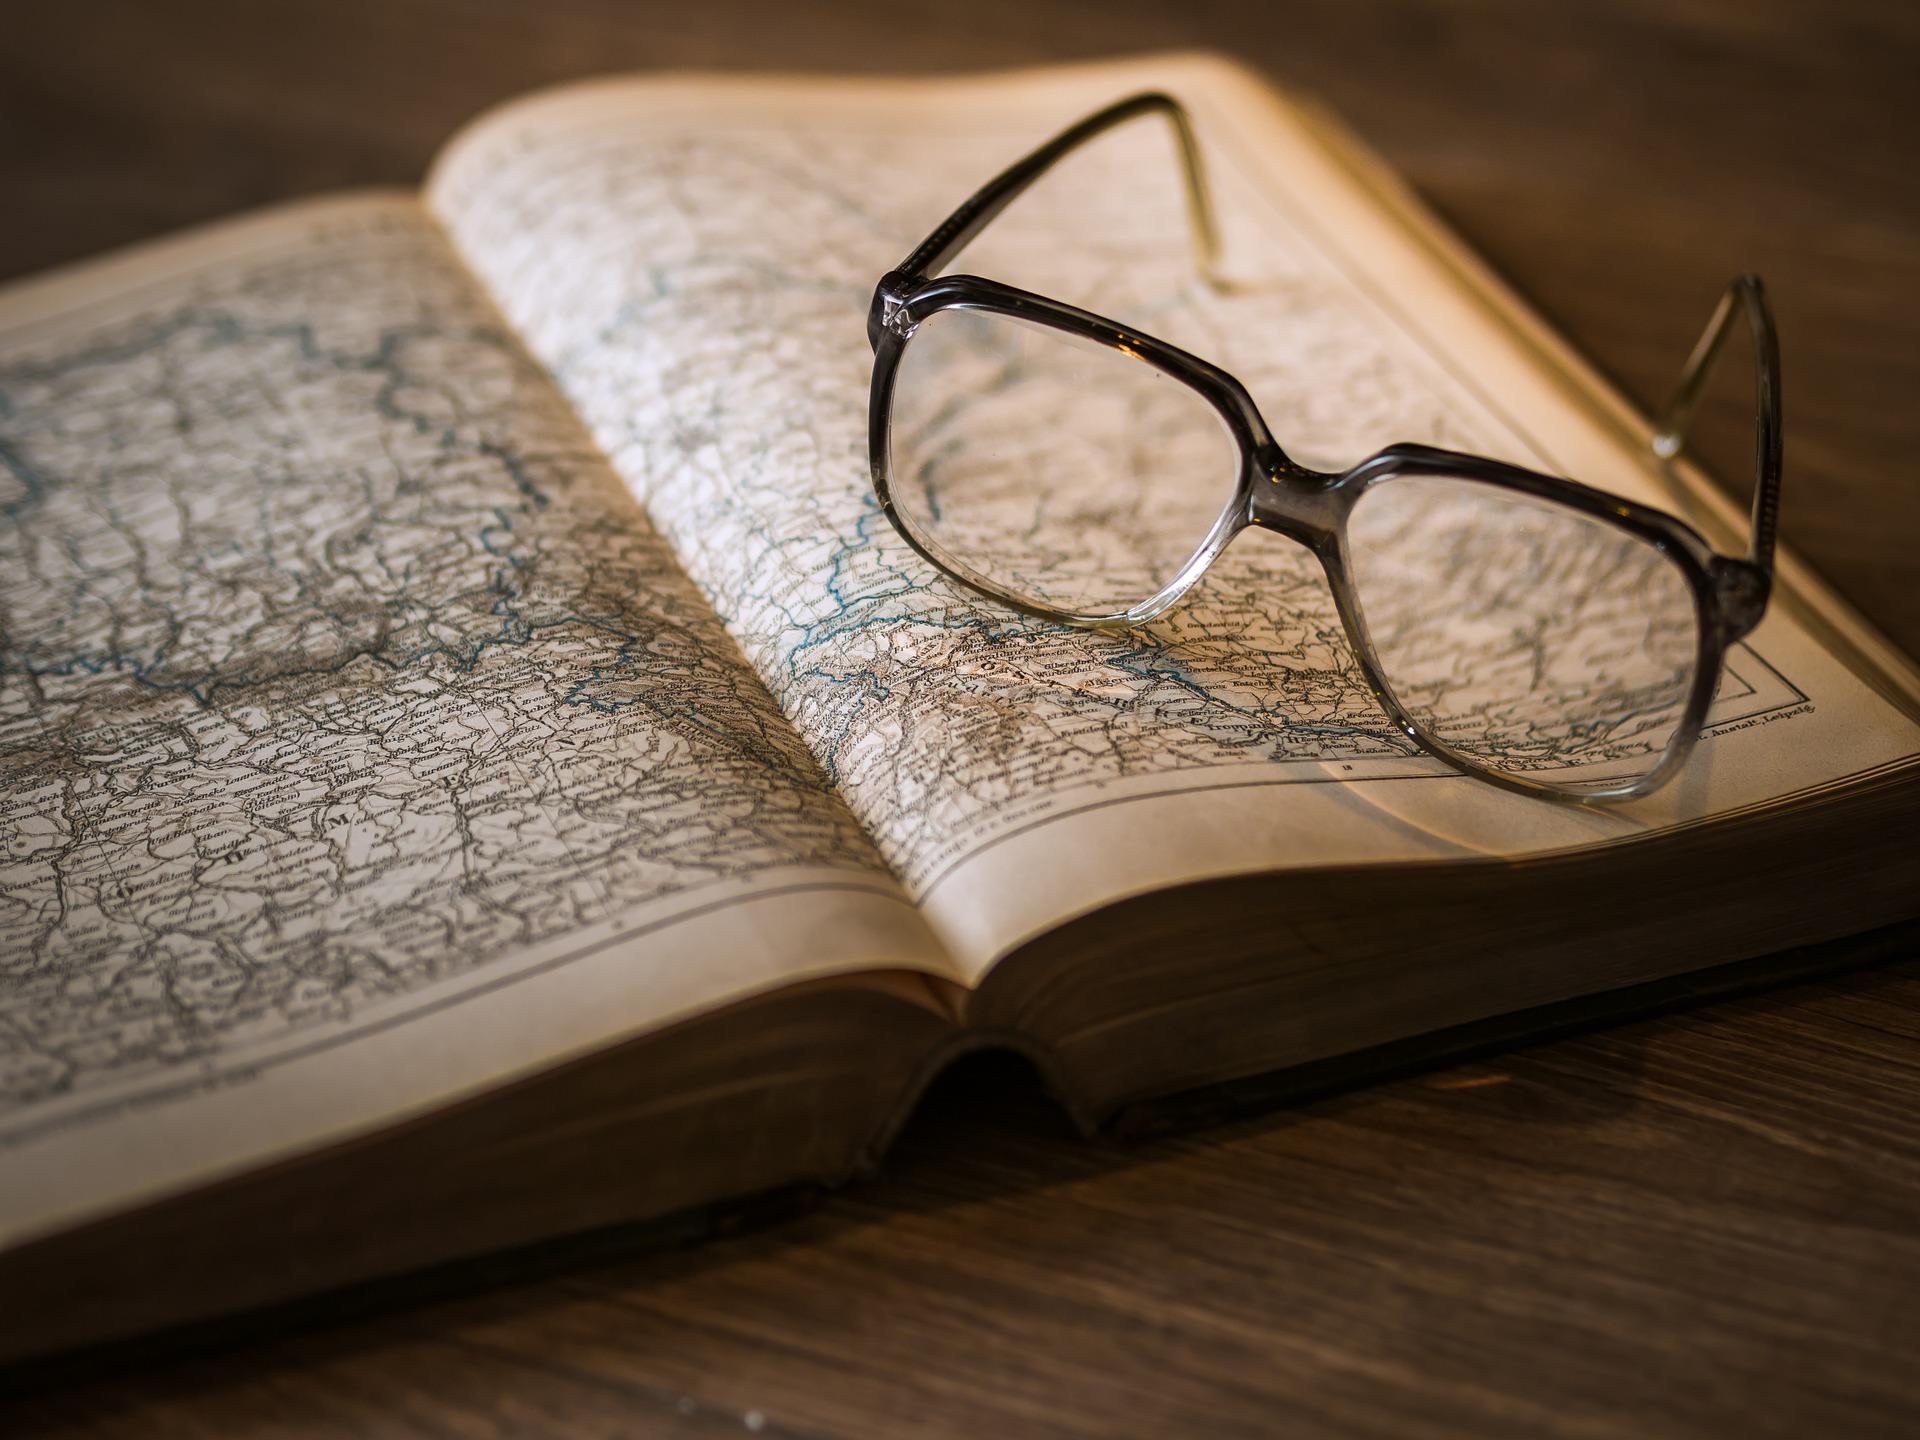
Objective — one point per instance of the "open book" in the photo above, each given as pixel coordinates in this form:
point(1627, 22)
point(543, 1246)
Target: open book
point(477, 765)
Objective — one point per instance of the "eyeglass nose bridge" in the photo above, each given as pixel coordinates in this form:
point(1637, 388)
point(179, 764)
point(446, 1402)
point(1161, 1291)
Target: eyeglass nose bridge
point(1308, 506)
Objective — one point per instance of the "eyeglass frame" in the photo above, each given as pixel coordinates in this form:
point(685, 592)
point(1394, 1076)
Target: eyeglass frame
point(1311, 507)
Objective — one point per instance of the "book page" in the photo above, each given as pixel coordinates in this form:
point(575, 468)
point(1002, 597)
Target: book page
point(694, 259)
point(360, 744)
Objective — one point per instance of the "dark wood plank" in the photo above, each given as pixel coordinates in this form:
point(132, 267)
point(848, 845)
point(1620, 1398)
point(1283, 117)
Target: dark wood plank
point(1689, 1225)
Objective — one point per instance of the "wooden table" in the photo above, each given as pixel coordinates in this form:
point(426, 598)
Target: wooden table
point(1699, 1224)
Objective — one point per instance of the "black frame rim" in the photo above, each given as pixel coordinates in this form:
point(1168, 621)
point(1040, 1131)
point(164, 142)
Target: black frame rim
point(1311, 507)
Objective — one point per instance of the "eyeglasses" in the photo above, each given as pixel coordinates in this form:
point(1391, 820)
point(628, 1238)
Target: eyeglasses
point(1537, 633)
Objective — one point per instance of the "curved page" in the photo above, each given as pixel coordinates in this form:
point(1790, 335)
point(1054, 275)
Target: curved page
point(360, 744)
point(694, 257)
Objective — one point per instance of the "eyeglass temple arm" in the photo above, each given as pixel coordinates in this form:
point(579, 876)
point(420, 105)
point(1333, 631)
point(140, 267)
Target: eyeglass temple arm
point(1746, 294)
point(959, 228)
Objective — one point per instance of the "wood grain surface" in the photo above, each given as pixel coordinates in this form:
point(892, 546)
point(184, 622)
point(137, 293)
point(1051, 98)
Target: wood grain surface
point(1703, 1224)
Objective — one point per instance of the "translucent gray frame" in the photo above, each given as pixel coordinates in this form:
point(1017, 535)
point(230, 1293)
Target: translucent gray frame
point(1310, 506)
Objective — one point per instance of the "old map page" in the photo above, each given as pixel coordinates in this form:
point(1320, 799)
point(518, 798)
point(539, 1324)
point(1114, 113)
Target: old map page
point(359, 742)
point(694, 259)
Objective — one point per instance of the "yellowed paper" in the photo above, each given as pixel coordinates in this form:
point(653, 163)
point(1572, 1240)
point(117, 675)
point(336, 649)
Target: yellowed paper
point(694, 259)
point(360, 744)
point(364, 743)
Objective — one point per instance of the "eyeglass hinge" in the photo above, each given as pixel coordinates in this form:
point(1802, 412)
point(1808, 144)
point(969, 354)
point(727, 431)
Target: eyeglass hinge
point(1743, 589)
point(891, 306)
point(894, 316)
